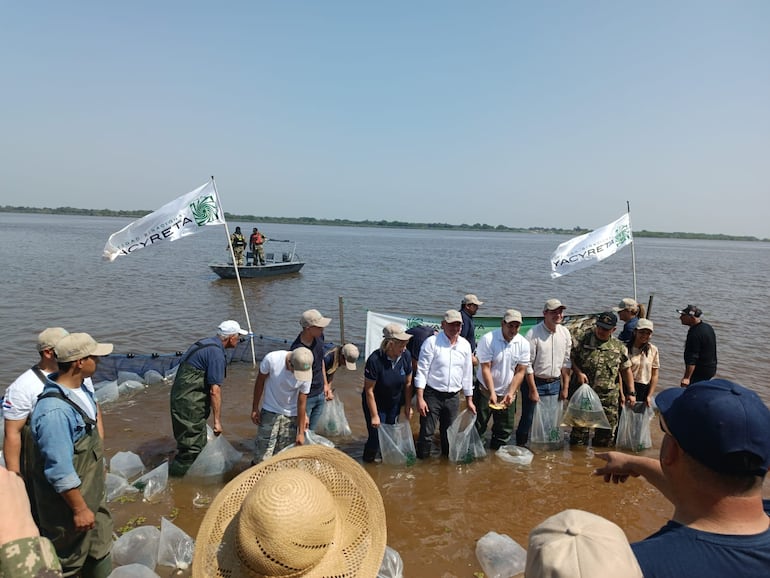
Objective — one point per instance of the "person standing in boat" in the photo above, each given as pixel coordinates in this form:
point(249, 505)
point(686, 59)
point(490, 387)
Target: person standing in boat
point(312, 337)
point(239, 246)
point(700, 348)
point(645, 361)
point(197, 392)
point(256, 244)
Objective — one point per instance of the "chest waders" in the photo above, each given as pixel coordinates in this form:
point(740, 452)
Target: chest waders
point(54, 516)
point(190, 408)
point(28, 450)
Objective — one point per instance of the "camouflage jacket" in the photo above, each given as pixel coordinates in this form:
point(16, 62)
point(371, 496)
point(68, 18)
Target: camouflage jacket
point(601, 361)
point(29, 558)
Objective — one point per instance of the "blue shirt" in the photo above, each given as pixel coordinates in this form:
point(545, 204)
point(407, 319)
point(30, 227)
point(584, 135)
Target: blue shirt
point(211, 360)
point(469, 329)
point(56, 427)
point(627, 335)
point(676, 550)
point(389, 377)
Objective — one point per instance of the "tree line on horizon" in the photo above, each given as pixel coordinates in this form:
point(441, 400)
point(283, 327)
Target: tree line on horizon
point(380, 223)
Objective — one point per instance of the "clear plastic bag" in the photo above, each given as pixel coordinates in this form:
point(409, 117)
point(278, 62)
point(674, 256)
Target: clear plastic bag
point(216, 458)
point(333, 421)
point(585, 410)
point(133, 571)
point(397, 444)
point(392, 565)
point(500, 555)
point(126, 464)
point(137, 546)
point(465, 444)
point(176, 547)
point(116, 486)
point(515, 455)
point(107, 393)
point(152, 377)
point(546, 420)
point(312, 438)
point(634, 427)
point(154, 482)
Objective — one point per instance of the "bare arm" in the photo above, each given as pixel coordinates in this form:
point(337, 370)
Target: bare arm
point(83, 518)
point(100, 421)
point(12, 444)
point(16, 521)
point(216, 407)
point(565, 375)
point(328, 393)
point(653, 384)
point(620, 466)
point(486, 373)
point(302, 421)
point(518, 378)
point(371, 403)
point(408, 397)
point(259, 388)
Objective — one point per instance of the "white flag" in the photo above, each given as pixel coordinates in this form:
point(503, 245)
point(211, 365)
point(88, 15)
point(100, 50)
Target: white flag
point(591, 248)
point(181, 217)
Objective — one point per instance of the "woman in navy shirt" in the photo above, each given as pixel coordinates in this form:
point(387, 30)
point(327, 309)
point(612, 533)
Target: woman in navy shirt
point(387, 385)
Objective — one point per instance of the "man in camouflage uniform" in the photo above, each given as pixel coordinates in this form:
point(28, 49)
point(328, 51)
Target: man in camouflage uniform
point(599, 359)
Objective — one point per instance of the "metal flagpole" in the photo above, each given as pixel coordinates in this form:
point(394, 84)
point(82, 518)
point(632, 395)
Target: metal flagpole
point(633, 251)
point(237, 274)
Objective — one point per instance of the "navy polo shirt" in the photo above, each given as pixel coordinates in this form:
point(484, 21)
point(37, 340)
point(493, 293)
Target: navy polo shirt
point(388, 377)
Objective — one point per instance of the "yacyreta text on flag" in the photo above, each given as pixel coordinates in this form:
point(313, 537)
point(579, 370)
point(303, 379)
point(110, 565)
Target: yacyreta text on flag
point(181, 217)
point(585, 250)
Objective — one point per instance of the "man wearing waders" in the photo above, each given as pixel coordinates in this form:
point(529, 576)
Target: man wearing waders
point(68, 473)
point(196, 393)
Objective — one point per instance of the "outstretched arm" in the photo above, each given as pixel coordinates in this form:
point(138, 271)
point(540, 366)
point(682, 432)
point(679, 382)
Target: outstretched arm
point(620, 466)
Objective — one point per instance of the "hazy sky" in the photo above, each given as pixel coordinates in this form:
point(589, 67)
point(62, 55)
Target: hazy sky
point(537, 113)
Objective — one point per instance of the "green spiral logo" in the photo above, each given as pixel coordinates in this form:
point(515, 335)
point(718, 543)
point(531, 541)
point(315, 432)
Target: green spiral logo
point(204, 210)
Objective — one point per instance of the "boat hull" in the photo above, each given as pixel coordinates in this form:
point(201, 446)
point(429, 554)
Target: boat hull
point(255, 272)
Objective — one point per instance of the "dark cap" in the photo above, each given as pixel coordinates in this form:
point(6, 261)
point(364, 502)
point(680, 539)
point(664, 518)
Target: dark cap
point(690, 310)
point(712, 420)
point(607, 320)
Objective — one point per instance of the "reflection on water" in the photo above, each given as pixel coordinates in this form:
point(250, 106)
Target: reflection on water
point(161, 300)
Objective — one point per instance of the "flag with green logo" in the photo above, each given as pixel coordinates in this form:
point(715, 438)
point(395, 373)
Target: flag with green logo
point(588, 249)
point(181, 217)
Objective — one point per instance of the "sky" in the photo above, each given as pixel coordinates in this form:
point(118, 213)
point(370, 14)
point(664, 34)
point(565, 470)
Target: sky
point(524, 114)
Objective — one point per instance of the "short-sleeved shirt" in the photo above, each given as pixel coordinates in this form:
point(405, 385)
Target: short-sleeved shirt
point(503, 356)
point(317, 347)
point(676, 550)
point(21, 396)
point(281, 387)
point(389, 377)
point(211, 360)
point(642, 364)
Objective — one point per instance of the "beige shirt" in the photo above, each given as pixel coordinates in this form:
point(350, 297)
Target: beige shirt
point(642, 365)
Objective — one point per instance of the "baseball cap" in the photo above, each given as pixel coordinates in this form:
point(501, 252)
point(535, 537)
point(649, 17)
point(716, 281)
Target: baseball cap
point(49, 337)
point(511, 315)
point(627, 304)
point(313, 318)
point(574, 543)
point(79, 346)
point(471, 299)
point(350, 353)
point(453, 316)
point(712, 420)
point(395, 331)
point(552, 305)
point(230, 327)
point(644, 324)
point(690, 310)
point(302, 363)
point(607, 320)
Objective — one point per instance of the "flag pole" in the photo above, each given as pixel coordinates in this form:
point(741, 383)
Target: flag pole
point(237, 274)
point(633, 251)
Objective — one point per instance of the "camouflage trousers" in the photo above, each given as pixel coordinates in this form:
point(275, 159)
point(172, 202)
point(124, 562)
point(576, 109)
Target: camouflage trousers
point(275, 433)
point(238, 252)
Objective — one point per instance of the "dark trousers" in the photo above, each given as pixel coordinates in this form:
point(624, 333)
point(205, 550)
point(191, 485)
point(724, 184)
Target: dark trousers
point(443, 408)
point(528, 408)
point(502, 420)
point(387, 415)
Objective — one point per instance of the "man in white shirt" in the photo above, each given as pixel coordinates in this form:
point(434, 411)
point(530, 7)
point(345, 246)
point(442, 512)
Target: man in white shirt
point(282, 386)
point(503, 357)
point(550, 366)
point(445, 367)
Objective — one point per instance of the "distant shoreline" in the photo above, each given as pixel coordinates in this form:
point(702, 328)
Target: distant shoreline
point(382, 224)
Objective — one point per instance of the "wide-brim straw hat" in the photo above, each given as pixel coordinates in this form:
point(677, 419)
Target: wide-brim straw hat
point(309, 511)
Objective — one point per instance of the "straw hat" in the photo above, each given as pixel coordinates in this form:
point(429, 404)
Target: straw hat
point(309, 511)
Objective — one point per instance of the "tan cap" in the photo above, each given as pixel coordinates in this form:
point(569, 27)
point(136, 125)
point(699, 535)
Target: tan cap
point(553, 305)
point(575, 544)
point(230, 327)
point(301, 360)
point(627, 304)
point(512, 315)
point(644, 324)
point(313, 318)
point(471, 299)
point(350, 354)
point(453, 316)
point(49, 337)
point(79, 346)
point(395, 331)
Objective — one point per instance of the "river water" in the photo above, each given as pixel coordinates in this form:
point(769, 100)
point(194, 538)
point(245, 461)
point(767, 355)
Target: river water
point(162, 299)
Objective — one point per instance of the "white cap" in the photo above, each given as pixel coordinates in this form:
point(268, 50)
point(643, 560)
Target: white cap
point(230, 327)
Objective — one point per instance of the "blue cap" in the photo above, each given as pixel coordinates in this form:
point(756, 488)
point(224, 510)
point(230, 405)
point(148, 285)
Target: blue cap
point(711, 420)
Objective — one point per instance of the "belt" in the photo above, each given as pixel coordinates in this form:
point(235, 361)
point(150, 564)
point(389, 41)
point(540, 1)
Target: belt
point(444, 394)
point(544, 380)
